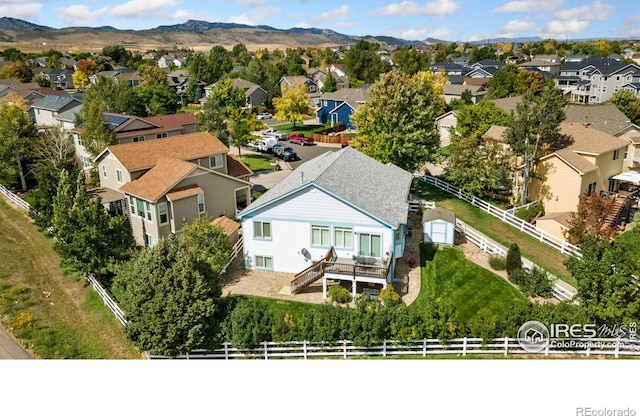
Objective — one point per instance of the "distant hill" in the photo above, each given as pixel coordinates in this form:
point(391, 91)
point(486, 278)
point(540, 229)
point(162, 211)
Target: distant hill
point(9, 23)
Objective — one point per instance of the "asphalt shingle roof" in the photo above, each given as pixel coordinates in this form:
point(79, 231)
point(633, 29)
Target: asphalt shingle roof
point(54, 102)
point(378, 189)
point(606, 118)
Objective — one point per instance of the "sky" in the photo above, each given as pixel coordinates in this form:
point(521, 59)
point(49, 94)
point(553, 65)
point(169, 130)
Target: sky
point(453, 20)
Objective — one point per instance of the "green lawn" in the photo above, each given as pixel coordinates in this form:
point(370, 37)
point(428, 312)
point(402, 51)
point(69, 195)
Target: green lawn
point(300, 128)
point(447, 274)
point(257, 163)
point(55, 314)
point(541, 254)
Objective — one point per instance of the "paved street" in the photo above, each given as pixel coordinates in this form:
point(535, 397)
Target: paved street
point(9, 348)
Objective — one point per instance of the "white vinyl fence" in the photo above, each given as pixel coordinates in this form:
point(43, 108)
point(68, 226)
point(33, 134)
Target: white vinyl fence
point(606, 347)
point(15, 198)
point(527, 228)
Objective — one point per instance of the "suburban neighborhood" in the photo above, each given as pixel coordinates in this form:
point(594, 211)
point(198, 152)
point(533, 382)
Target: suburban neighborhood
point(301, 204)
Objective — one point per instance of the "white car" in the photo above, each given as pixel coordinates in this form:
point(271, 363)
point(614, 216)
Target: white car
point(275, 133)
point(263, 116)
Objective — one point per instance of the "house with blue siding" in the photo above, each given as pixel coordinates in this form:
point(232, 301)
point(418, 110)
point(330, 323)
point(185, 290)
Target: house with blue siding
point(338, 106)
point(341, 216)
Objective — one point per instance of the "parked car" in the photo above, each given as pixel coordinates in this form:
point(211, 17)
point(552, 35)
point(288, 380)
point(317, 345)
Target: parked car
point(276, 133)
point(266, 144)
point(285, 153)
point(263, 116)
point(301, 139)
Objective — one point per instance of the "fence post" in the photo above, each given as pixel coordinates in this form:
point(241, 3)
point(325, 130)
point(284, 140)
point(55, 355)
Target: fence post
point(424, 347)
point(344, 344)
point(589, 347)
point(464, 346)
point(617, 353)
point(266, 353)
point(506, 346)
point(304, 348)
point(226, 350)
point(384, 348)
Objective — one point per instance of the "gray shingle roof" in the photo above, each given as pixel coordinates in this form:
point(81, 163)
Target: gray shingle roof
point(606, 117)
point(439, 214)
point(54, 102)
point(378, 189)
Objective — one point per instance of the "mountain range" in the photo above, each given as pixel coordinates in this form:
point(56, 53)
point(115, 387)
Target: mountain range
point(194, 34)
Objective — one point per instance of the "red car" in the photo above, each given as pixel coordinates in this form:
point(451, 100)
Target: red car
point(301, 139)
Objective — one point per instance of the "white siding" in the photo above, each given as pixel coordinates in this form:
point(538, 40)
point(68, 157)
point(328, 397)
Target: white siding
point(291, 221)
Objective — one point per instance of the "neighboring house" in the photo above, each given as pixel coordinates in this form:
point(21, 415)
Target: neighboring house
point(545, 66)
point(338, 106)
point(132, 79)
point(162, 185)
point(132, 129)
point(487, 72)
point(438, 226)
point(60, 78)
point(46, 109)
point(454, 92)
point(313, 92)
point(337, 70)
point(67, 120)
point(607, 118)
point(342, 215)
point(449, 68)
point(255, 95)
point(444, 123)
point(586, 165)
point(595, 80)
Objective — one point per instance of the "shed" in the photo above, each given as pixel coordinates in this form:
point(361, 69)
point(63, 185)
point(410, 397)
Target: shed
point(438, 226)
point(230, 227)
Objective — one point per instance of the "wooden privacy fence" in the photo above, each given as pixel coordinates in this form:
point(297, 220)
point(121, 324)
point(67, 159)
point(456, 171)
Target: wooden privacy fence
point(505, 216)
point(605, 347)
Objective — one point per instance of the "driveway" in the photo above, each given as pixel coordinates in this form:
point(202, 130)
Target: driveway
point(9, 348)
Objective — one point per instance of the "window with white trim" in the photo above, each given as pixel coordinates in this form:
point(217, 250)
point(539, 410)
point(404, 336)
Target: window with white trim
point(148, 240)
point(104, 171)
point(343, 237)
point(86, 162)
point(137, 139)
point(215, 161)
point(163, 214)
point(261, 230)
point(264, 262)
point(320, 236)
point(616, 154)
point(200, 202)
point(119, 176)
point(80, 142)
point(591, 188)
point(161, 135)
point(132, 204)
point(140, 207)
point(370, 244)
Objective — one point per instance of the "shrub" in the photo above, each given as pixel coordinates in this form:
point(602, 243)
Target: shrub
point(389, 297)
point(339, 294)
point(532, 283)
point(23, 320)
point(497, 263)
point(530, 212)
point(514, 259)
point(251, 322)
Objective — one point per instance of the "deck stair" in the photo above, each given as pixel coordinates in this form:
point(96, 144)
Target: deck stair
point(613, 219)
point(312, 273)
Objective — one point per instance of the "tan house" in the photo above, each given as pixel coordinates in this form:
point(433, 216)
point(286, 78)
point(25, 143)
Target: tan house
point(160, 185)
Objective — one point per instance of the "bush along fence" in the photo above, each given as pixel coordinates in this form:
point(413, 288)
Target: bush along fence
point(506, 216)
point(600, 347)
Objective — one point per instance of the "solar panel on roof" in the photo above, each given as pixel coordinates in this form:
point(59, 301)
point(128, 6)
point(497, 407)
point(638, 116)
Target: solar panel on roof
point(115, 120)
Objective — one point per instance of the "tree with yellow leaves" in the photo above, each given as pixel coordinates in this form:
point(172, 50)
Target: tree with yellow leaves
point(294, 106)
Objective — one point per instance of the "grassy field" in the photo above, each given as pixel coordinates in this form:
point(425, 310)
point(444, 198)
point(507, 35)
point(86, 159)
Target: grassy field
point(54, 314)
point(257, 163)
point(541, 254)
point(470, 288)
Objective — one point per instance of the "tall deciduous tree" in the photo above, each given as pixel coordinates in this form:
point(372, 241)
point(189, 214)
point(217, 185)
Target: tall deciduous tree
point(96, 134)
point(532, 128)
point(115, 97)
point(410, 60)
point(294, 105)
point(627, 102)
point(330, 84)
point(362, 63)
point(396, 125)
point(17, 133)
point(171, 299)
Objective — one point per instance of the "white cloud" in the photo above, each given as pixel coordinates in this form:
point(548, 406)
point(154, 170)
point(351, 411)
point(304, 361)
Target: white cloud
point(515, 28)
point(141, 8)
point(29, 11)
point(408, 8)
point(255, 16)
point(341, 13)
point(79, 14)
point(249, 3)
point(595, 11)
point(559, 28)
point(528, 6)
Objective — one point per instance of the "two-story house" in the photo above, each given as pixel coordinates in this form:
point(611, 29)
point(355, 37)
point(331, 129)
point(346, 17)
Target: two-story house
point(313, 92)
point(128, 129)
point(595, 80)
point(161, 185)
point(338, 106)
point(254, 94)
point(341, 215)
point(46, 109)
